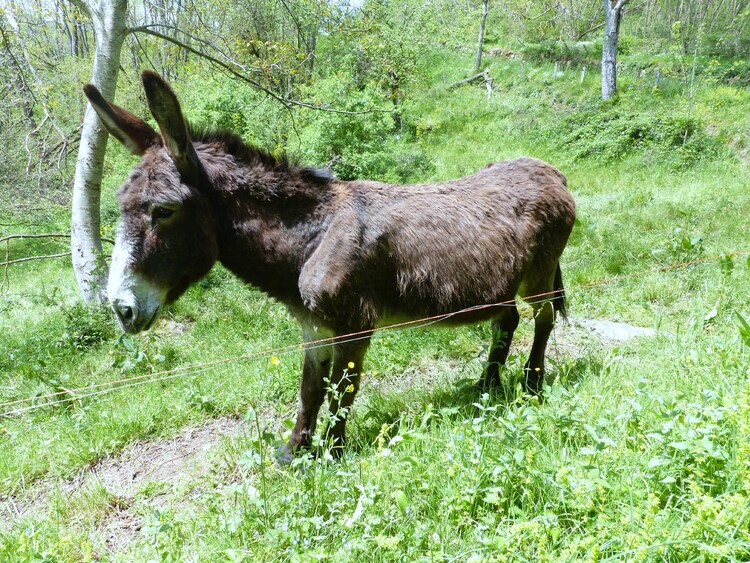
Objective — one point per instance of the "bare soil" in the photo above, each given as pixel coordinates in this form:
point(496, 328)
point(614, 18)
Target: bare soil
point(164, 463)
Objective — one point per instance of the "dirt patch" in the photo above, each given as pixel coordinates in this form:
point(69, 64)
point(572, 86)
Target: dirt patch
point(162, 463)
point(167, 461)
point(569, 340)
point(608, 331)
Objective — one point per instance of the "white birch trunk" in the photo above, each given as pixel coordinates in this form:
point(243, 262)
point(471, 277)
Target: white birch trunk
point(613, 16)
point(482, 24)
point(88, 260)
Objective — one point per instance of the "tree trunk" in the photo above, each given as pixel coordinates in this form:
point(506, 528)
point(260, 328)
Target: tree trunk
point(88, 261)
point(482, 23)
point(613, 16)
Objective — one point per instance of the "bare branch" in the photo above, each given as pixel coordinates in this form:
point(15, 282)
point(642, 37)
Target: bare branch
point(8, 238)
point(484, 75)
point(30, 258)
point(286, 102)
point(620, 5)
point(48, 235)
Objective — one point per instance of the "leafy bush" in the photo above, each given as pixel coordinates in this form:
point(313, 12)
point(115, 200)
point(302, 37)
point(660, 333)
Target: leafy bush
point(733, 72)
point(85, 328)
point(724, 43)
point(610, 134)
point(359, 145)
point(237, 107)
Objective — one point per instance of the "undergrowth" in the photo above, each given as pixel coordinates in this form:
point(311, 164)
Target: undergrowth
point(637, 450)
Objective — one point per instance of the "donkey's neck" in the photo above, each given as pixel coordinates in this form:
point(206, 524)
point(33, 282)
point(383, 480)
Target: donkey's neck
point(269, 218)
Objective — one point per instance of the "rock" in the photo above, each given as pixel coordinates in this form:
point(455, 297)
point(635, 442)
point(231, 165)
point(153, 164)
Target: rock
point(608, 330)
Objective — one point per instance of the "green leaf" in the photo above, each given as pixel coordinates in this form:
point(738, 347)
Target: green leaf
point(744, 329)
point(395, 440)
point(657, 462)
point(400, 497)
point(679, 445)
point(493, 495)
point(127, 343)
point(712, 314)
point(726, 264)
point(250, 459)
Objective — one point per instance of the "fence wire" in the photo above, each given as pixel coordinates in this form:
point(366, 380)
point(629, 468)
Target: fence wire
point(76, 394)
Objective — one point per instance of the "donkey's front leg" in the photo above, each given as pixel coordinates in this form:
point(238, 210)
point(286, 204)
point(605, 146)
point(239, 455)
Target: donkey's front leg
point(345, 376)
point(315, 370)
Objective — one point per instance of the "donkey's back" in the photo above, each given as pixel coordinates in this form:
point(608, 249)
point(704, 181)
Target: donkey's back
point(432, 249)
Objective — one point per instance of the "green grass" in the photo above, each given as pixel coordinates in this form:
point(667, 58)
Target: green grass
point(639, 450)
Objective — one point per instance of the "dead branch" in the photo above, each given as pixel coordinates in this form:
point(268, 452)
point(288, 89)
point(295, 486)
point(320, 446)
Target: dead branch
point(484, 75)
point(29, 258)
point(46, 235)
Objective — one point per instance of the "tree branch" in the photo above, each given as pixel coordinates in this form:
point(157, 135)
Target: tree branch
point(620, 5)
point(84, 6)
point(286, 102)
point(483, 75)
point(49, 235)
point(30, 258)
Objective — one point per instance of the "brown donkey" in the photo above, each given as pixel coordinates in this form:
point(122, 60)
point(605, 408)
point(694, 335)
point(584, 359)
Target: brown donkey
point(343, 256)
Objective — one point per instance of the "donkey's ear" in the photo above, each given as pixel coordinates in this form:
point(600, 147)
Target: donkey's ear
point(165, 108)
point(131, 131)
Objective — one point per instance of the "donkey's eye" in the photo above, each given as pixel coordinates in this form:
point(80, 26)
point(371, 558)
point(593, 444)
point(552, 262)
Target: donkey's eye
point(160, 212)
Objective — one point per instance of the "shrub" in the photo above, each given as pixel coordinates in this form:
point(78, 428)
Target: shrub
point(610, 134)
point(360, 145)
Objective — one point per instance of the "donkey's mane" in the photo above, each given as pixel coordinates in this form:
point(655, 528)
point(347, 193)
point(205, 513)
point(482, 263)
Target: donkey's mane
point(233, 144)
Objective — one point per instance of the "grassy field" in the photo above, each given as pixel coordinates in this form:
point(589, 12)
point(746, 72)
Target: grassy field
point(639, 450)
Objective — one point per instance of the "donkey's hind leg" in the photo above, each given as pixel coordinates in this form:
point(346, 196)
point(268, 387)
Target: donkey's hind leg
point(533, 370)
point(503, 327)
point(537, 292)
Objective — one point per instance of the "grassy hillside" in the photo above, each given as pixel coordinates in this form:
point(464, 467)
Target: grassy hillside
point(638, 451)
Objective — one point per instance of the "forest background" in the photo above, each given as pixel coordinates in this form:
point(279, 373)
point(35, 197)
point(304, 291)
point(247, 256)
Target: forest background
point(639, 450)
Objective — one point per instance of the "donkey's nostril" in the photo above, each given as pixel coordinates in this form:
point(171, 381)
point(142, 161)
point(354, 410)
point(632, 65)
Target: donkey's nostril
point(126, 313)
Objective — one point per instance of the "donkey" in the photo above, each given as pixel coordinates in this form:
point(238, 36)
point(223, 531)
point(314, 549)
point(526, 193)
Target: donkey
point(343, 256)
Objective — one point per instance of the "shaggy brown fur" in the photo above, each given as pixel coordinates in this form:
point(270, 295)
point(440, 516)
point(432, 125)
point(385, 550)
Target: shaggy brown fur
point(342, 256)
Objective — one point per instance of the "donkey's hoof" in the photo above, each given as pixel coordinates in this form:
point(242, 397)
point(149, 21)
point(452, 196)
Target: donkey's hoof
point(486, 383)
point(285, 455)
point(533, 382)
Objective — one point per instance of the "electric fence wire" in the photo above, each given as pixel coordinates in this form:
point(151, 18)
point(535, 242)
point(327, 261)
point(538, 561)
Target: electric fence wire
point(77, 394)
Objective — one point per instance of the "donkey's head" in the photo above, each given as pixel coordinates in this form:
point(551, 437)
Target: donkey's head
point(166, 238)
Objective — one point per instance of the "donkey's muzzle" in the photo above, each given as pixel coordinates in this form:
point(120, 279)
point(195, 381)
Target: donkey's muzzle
point(126, 313)
point(132, 318)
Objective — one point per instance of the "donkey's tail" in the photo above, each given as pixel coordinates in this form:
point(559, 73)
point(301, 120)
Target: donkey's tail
point(558, 301)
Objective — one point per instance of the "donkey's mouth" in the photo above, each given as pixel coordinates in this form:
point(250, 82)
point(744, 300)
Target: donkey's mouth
point(152, 320)
point(132, 323)
point(179, 288)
